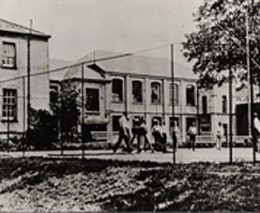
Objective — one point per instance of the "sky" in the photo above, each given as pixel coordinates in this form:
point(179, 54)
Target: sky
point(78, 27)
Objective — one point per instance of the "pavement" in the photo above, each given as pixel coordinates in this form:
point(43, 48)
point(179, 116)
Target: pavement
point(183, 155)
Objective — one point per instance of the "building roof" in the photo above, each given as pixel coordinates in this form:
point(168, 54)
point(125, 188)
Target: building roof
point(101, 62)
point(7, 26)
point(138, 64)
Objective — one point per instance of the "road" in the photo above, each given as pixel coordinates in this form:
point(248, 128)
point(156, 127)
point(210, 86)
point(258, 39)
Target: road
point(182, 155)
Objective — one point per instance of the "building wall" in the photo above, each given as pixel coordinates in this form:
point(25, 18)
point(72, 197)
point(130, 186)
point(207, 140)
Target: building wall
point(147, 109)
point(39, 84)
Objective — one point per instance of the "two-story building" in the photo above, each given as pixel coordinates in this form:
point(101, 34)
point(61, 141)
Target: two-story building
point(16, 44)
point(139, 85)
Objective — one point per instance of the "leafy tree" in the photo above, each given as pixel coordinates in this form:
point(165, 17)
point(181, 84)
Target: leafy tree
point(66, 112)
point(220, 41)
point(43, 131)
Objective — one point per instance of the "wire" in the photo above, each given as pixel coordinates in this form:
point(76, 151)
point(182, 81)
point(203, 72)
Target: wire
point(84, 62)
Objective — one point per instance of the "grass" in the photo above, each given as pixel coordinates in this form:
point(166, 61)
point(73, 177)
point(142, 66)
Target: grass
point(83, 185)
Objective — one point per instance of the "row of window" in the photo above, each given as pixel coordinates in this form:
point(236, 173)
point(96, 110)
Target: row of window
point(155, 94)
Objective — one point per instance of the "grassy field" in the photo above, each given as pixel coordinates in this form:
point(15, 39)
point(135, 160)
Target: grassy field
point(94, 185)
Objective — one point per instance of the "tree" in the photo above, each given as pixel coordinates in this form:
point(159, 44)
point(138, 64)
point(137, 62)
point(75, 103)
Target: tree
point(220, 41)
point(66, 112)
point(43, 133)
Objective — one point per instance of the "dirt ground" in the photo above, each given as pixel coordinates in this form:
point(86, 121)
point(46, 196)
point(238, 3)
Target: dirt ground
point(38, 184)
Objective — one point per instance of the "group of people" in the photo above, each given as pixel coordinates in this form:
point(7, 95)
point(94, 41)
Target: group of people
point(159, 133)
point(139, 132)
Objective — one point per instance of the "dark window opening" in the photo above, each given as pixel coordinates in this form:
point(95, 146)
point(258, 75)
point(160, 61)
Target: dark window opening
point(92, 103)
point(204, 105)
point(190, 95)
point(137, 93)
point(155, 93)
point(117, 90)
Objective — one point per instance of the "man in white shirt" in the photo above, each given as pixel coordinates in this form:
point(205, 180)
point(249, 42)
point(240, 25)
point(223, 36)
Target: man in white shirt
point(192, 132)
point(219, 136)
point(124, 133)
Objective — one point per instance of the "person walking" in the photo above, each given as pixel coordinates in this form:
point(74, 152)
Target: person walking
point(219, 136)
point(256, 131)
point(175, 135)
point(164, 136)
point(192, 132)
point(144, 131)
point(157, 134)
point(124, 133)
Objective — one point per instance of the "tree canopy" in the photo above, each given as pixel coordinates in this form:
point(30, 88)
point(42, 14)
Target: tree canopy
point(219, 43)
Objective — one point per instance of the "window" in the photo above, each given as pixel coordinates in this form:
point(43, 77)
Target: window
point(176, 93)
point(224, 103)
point(117, 90)
point(155, 93)
point(9, 110)
point(137, 93)
point(8, 55)
point(115, 122)
point(204, 105)
point(190, 95)
point(92, 103)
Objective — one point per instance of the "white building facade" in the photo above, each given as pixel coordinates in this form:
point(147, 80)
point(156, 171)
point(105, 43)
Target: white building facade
point(14, 49)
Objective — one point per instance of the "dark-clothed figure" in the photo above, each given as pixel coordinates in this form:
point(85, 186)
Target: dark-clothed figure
point(175, 134)
point(192, 132)
point(140, 132)
point(144, 131)
point(256, 131)
point(159, 144)
point(124, 133)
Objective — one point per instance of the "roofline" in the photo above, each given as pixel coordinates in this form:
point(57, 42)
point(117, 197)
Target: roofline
point(87, 80)
point(148, 75)
point(41, 34)
point(25, 34)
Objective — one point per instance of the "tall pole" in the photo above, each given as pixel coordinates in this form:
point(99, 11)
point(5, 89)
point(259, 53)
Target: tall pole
point(230, 106)
point(172, 86)
point(250, 88)
point(29, 77)
point(8, 128)
point(24, 118)
point(198, 107)
point(82, 110)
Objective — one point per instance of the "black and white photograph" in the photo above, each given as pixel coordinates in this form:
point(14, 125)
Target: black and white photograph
point(129, 105)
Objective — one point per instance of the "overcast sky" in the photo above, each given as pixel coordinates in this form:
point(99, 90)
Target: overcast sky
point(80, 26)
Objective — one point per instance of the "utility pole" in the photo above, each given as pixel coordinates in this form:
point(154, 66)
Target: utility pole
point(8, 128)
point(82, 110)
point(24, 118)
point(230, 106)
point(172, 86)
point(29, 78)
point(250, 88)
